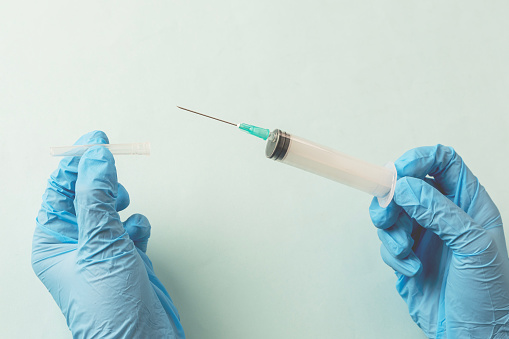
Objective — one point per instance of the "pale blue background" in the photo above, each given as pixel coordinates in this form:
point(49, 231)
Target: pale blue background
point(247, 248)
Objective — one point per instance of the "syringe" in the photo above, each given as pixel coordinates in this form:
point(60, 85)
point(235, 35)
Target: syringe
point(376, 180)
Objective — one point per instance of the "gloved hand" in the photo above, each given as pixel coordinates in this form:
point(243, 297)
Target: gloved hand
point(95, 266)
point(443, 236)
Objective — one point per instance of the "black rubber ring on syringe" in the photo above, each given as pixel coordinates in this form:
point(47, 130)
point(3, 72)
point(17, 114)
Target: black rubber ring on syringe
point(276, 149)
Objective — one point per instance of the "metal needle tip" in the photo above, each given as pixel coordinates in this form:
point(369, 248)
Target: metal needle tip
point(208, 116)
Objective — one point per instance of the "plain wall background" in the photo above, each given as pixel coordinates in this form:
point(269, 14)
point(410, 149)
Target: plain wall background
point(247, 248)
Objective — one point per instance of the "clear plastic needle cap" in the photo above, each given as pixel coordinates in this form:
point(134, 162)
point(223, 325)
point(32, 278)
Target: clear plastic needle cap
point(140, 148)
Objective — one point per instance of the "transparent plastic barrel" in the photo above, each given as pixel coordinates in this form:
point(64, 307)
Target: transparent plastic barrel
point(376, 180)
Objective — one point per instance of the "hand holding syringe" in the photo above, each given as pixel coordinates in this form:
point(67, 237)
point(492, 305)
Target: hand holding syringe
point(373, 179)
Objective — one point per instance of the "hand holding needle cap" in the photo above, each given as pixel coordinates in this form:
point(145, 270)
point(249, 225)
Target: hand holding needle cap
point(94, 264)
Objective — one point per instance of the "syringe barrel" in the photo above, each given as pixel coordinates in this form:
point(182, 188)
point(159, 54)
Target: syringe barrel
point(326, 162)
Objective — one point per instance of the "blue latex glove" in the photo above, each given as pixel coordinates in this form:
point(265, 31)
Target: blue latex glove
point(95, 266)
point(443, 236)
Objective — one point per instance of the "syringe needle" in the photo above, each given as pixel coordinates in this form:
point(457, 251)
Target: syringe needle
point(259, 132)
point(208, 116)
